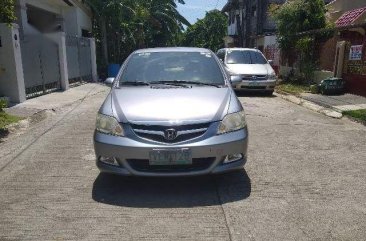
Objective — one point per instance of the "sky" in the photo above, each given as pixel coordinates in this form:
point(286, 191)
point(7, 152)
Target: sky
point(194, 9)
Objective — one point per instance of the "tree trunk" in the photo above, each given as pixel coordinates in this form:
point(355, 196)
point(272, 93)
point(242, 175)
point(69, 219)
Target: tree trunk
point(104, 39)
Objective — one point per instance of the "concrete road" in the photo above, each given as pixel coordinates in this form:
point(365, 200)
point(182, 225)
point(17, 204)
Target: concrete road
point(305, 180)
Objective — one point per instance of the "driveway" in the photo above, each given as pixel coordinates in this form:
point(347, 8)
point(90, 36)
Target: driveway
point(305, 180)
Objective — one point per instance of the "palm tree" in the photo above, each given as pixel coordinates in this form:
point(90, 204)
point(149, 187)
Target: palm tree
point(107, 13)
point(123, 25)
point(157, 22)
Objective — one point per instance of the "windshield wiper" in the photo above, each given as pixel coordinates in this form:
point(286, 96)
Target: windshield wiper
point(134, 83)
point(185, 82)
point(170, 82)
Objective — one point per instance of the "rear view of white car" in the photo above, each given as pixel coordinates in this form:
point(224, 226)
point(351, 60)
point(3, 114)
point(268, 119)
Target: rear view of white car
point(249, 69)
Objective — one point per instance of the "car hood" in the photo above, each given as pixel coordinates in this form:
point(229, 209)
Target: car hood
point(172, 105)
point(254, 69)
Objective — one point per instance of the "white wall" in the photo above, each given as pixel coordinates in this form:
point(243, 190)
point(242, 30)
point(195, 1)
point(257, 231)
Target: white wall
point(71, 21)
point(232, 29)
point(270, 40)
point(84, 21)
point(49, 6)
point(76, 20)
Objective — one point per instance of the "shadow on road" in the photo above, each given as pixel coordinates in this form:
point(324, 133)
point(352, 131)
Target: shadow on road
point(171, 192)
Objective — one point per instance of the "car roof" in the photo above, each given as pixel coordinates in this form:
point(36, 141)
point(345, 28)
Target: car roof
point(173, 49)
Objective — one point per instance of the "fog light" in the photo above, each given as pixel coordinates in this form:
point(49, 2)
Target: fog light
point(233, 157)
point(109, 160)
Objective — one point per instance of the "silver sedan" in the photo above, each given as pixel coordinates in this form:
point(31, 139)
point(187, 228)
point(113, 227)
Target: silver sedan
point(171, 112)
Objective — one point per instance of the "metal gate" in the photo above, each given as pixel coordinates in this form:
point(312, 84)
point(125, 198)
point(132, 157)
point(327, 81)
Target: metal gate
point(78, 59)
point(41, 65)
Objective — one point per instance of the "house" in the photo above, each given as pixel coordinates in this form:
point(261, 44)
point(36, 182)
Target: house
point(344, 55)
point(249, 21)
point(251, 26)
point(47, 49)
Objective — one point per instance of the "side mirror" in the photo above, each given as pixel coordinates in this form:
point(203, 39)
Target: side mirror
point(109, 81)
point(235, 79)
point(270, 62)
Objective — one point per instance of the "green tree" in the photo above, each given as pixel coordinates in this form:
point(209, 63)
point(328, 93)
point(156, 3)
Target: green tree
point(7, 11)
point(158, 21)
point(296, 17)
point(121, 26)
point(207, 32)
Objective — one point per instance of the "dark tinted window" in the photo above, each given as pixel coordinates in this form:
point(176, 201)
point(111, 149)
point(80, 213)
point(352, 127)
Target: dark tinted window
point(245, 57)
point(166, 66)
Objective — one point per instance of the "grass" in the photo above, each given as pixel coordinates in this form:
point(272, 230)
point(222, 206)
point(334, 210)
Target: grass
point(6, 119)
point(356, 114)
point(293, 88)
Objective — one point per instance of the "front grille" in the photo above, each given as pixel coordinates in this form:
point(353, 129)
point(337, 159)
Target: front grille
point(254, 77)
point(198, 164)
point(156, 132)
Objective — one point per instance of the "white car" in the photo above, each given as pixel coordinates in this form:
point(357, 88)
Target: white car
point(249, 68)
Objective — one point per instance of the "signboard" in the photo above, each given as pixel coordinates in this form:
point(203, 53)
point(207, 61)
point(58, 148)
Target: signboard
point(355, 52)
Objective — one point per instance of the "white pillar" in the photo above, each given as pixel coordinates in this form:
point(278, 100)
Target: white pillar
point(339, 62)
point(11, 66)
point(21, 9)
point(60, 39)
point(63, 61)
point(93, 60)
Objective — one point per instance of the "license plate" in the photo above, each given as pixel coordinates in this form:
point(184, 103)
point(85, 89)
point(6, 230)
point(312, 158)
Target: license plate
point(170, 157)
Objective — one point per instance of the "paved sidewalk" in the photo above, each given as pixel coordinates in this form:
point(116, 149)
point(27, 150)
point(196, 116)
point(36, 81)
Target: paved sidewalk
point(338, 103)
point(55, 100)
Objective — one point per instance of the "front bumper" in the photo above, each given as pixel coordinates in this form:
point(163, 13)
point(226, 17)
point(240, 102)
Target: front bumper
point(262, 85)
point(216, 148)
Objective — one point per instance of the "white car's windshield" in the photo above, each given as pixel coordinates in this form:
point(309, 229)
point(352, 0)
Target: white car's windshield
point(245, 57)
point(150, 67)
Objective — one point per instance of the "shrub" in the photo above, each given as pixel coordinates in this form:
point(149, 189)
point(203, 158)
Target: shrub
point(7, 11)
point(3, 104)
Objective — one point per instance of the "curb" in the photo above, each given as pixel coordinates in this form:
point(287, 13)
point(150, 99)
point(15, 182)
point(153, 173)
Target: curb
point(28, 121)
point(355, 120)
point(39, 116)
point(309, 105)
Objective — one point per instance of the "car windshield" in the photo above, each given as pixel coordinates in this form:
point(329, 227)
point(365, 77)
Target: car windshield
point(150, 67)
point(245, 57)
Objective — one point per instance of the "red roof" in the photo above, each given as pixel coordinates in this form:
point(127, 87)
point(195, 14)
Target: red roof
point(349, 17)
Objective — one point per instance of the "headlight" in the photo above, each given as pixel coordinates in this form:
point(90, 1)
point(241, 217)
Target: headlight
point(108, 125)
point(232, 122)
point(271, 76)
